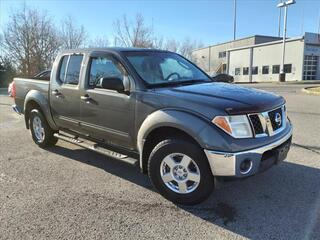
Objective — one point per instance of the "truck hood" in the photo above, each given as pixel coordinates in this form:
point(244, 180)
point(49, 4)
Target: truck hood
point(230, 98)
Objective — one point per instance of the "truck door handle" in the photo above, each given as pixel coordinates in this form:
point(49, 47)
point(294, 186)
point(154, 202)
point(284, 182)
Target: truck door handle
point(86, 98)
point(56, 93)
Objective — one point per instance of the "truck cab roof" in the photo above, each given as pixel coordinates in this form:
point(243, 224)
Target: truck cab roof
point(111, 49)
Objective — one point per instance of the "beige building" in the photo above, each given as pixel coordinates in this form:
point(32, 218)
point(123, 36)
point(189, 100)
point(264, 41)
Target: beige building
point(258, 58)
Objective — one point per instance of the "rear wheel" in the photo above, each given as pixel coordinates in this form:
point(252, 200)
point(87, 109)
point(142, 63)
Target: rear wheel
point(180, 171)
point(41, 132)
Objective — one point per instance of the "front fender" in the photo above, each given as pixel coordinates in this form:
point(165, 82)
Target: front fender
point(199, 128)
point(43, 103)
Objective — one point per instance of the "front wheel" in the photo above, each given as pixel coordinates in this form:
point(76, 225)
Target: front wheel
point(180, 171)
point(41, 132)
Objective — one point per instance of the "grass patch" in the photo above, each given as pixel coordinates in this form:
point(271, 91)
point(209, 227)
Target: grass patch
point(312, 90)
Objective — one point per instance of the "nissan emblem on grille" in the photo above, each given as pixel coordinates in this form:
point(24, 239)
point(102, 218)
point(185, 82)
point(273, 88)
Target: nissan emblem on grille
point(278, 119)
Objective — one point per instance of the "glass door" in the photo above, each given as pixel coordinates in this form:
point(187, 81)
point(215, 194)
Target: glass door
point(310, 67)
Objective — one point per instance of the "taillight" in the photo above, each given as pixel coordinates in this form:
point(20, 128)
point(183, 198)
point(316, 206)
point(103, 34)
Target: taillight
point(13, 90)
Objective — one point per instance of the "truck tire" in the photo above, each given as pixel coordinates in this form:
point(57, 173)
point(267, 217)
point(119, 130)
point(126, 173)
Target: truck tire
point(41, 132)
point(179, 170)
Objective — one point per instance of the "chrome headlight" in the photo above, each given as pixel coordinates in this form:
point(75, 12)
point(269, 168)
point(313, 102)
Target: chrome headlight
point(237, 126)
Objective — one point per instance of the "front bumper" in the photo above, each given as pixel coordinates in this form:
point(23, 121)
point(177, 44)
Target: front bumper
point(250, 162)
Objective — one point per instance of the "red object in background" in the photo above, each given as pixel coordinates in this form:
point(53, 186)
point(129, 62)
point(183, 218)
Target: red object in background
point(12, 90)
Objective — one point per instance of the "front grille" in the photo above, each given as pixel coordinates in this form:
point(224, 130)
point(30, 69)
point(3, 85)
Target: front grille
point(276, 118)
point(268, 123)
point(256, 124)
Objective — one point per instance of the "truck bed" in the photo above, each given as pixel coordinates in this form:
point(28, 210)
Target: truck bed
point(24, 85)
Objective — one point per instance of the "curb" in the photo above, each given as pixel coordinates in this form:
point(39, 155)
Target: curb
point(309, 90)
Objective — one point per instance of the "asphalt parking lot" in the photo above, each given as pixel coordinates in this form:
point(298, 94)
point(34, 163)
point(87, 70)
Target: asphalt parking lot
point(70, 193)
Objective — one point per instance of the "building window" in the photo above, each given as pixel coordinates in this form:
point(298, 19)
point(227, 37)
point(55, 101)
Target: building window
point(265, 70)
point(287, 68)
point(275, 69)
point(237, 71)
point(222, 54)
point(245, 71)
point(254, 70)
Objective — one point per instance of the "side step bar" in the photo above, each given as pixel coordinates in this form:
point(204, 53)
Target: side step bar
point(94, 147)
point(16, 109)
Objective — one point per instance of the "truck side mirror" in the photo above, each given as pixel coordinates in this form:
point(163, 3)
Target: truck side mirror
point(112, 83)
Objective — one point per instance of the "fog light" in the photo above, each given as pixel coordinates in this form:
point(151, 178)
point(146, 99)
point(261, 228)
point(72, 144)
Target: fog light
point(245, 166)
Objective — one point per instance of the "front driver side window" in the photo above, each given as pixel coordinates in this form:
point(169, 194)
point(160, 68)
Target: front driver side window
point(104, 67)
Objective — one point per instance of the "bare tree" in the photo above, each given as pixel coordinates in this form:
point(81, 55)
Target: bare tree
point(71, 35)
point(133, 34)
point(158, 42)
point(184, 47)
point(30, 41)
point(187, 46)
point(172, 45)
point(138, 34)
point(99, 42)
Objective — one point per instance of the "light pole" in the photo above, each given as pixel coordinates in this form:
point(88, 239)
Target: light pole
point(279, 20)
point(234, 19)
point(282, 76)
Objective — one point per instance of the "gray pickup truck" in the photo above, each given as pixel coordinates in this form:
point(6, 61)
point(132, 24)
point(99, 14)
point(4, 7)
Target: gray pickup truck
point(157, 110)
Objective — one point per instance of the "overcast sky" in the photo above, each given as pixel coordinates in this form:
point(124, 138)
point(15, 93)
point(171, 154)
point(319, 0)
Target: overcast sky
point(207, 21)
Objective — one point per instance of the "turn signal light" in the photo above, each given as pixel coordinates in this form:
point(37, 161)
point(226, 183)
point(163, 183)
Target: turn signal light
point(222, 122)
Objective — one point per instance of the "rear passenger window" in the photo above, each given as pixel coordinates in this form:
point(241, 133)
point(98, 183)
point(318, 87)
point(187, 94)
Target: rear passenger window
point(73, 71)
point(63, 67)
point(70, 69)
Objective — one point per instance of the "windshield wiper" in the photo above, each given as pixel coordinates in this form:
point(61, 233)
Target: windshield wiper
point(189, 82)
point(179, 83)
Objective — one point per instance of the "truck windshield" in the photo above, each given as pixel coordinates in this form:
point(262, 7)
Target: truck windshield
point(165, 68)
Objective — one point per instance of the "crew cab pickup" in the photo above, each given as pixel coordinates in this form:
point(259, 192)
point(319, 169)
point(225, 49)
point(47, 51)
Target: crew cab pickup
point(158, 110)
